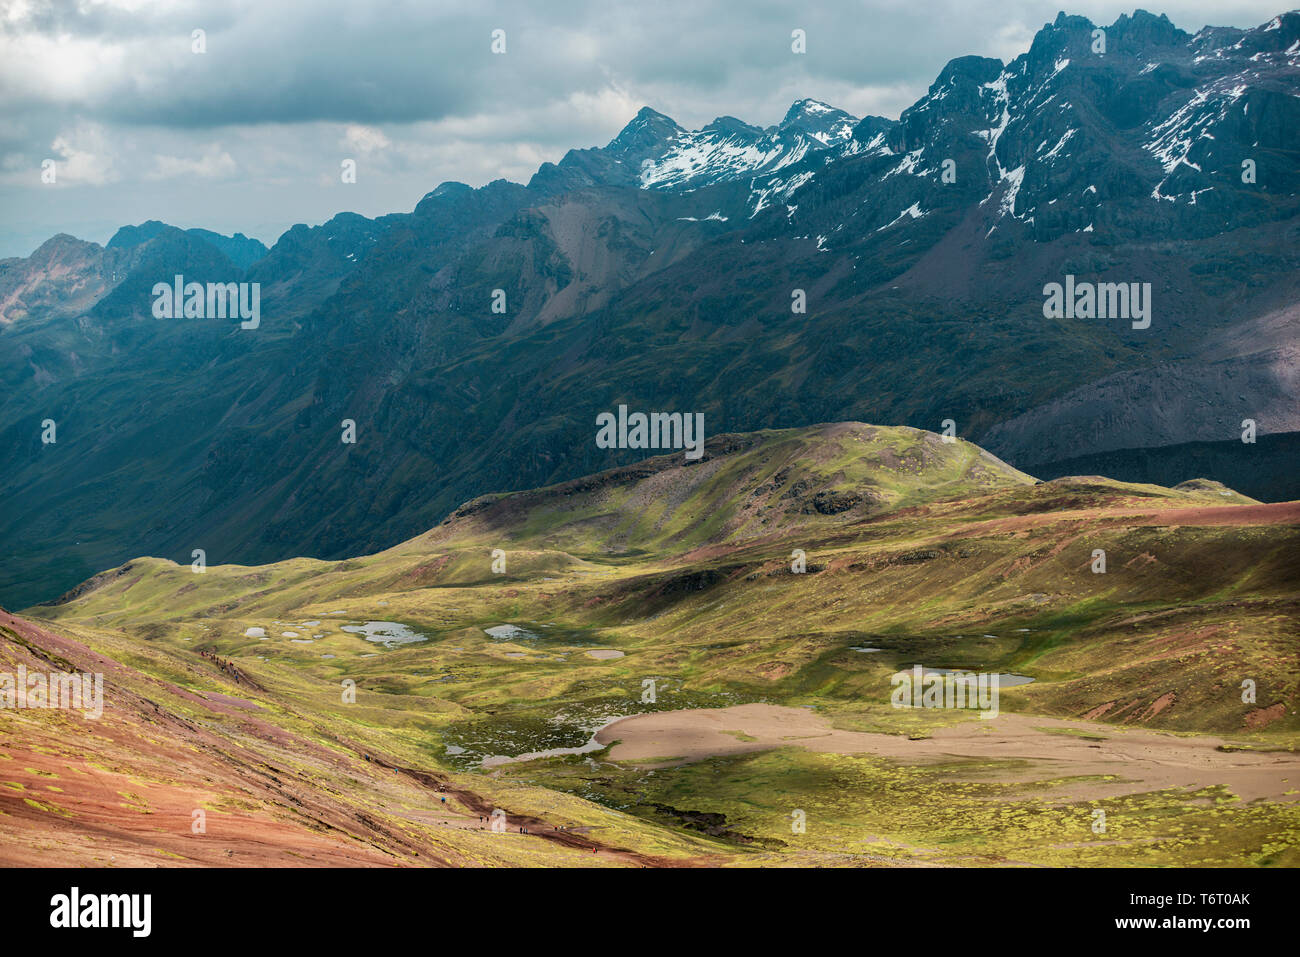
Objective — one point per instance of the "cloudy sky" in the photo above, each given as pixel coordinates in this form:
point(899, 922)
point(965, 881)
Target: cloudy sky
point(249, 135)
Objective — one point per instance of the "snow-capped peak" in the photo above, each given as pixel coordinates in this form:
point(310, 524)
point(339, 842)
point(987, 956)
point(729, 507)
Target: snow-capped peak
point(728, 149)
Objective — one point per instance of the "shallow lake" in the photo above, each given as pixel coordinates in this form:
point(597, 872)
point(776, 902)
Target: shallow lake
point(1005, 680)
point(544, 632)
point(511, 633)
point(387, 633)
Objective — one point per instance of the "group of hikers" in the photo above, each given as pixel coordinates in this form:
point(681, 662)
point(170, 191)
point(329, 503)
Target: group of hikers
point(487, 819)
point(227, 666)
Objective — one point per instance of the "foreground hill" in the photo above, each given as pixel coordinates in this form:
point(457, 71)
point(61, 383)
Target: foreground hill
point(769, 684)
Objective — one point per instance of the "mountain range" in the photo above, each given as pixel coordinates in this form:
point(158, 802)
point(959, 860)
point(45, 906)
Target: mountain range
point(659, 271)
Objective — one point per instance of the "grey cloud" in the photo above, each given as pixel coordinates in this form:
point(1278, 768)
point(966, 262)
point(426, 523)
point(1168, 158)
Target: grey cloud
point(281, 81)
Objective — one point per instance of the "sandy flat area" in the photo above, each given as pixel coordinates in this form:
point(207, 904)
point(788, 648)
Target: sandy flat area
point(1140, 760)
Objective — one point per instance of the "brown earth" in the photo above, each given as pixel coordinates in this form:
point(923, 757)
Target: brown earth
point(1138, 761)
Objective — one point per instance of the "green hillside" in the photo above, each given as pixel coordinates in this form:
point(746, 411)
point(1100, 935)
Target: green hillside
point(683, 575)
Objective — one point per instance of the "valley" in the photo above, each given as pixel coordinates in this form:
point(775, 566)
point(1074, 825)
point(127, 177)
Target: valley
point(647, 680)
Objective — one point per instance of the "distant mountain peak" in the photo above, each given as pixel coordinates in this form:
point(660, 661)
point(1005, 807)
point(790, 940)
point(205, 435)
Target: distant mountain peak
point(730, 125)
point(807, 107)
point(644, 132)
point(129, 236)
point(729, 149)
point(448, 188)
point(823, 122)
point(978, 69)
point(239, 249)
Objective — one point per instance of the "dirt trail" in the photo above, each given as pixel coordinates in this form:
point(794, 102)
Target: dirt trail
point(1139, 760)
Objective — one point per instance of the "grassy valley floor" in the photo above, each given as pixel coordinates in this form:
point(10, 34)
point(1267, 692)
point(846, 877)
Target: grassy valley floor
point(690, 664)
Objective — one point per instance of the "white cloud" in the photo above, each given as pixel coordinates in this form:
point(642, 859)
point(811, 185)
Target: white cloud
point(82, 156)
point(365, 139)
point(213, 164)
